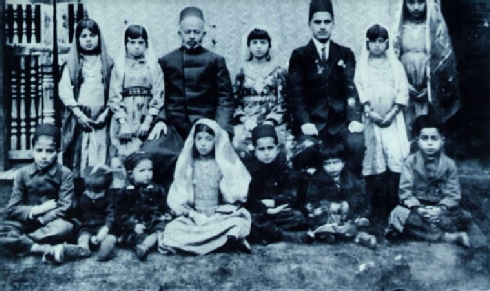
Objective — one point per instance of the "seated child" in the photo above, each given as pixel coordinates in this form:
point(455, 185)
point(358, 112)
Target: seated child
point(97, 212)
point(335, 206)
point(272, 198)
point(210, 185)
point(430, 193)
point(35, 220)
point(140, 206)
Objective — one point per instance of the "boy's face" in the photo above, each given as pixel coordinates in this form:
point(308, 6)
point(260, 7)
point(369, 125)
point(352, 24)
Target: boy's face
point(430, 141)
point(135, 47)
point(88, 40)
point(266, 149)
point(321, 25)
point(192, 32)
point(378, 47)
point(44, 151)
point(333, 167)
point(142, 174)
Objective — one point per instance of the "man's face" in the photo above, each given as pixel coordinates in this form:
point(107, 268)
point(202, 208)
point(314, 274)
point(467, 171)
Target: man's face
point(321, 26)
point(192, 32)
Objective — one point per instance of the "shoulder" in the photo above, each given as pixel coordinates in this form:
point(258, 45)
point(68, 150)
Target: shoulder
point(450, 163)
point(170, 56)
point(25, 171)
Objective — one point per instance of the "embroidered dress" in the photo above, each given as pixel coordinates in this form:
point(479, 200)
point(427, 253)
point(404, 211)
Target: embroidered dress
point(208, 188)
point(137, 99)
point(259, 95)
point(426, 52)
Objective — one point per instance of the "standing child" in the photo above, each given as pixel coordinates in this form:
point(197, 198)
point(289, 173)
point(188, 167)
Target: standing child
point(422, 40)
point(97, 212)
point(84, 91)
point(209, 187)
point(430, 193)
point(258, 89)
point(335, 206)
point(383, 90)
point(140, 206)
point(272, 198)
point(41, 196)
point(136, 95)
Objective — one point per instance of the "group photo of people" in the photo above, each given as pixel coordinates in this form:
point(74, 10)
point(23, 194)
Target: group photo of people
point(178, 154)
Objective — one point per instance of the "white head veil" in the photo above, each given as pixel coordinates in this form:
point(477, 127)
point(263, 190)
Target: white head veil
point(235, 177)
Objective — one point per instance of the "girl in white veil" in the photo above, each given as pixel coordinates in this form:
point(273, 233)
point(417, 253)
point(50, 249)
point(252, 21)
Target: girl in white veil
point(136, 95)
point(258, 86)
point(383, 90)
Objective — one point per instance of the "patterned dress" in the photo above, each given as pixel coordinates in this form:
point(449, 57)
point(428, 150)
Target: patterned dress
point(259, 95)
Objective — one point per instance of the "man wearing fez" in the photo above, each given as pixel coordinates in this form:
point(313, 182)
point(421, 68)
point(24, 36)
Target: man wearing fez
point(322, 97)
point(197, 85)
point(197, 81)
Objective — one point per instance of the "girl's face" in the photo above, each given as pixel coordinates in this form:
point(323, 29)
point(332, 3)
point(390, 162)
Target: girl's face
point(135, 47)
point(204, 143)
point(88, 40)
point(378, 47)
point(259, 48)
point(416, 8)
point(142, 174)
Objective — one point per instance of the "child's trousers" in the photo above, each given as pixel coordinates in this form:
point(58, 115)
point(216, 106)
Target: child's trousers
point(17, 238)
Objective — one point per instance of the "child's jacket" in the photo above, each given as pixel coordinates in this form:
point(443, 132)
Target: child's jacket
point(97, 211)
point(139, 205)
point(271, 181)
point(322, 191)
point(33, 186)
point(417, 188)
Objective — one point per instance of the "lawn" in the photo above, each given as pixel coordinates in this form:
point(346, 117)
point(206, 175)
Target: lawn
point(404, 265)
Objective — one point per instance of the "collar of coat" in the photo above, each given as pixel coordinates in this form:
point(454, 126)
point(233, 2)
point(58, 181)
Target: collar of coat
point(420, 165)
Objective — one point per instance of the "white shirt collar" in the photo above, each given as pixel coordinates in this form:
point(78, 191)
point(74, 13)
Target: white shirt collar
point(320, 45)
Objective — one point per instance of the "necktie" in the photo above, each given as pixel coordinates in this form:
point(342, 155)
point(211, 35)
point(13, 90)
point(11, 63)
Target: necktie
point(324, 55)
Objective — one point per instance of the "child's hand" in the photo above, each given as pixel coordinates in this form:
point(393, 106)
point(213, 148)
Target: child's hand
point(250, 124)
point(144, 129)
point(388, 119)
point(344, 208)
point(86, 123)
point(376, 118)
point(278, 209)
point(103, 231)
point(101, 120)
point(139, 228)
point(356, 127)
point(157, 130)
point(43, 208)
point(335, 207)
point(269, 203)
point(125, 133)
point(198, 218)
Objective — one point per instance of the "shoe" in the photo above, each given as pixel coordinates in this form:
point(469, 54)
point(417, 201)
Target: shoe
point(366, 240)
point(53, 254)
point(74, 252)
point(327, 238)
point(243, 246)
point(392, 234)
point(141, 252)
point(300, 237)
point(361, 222)
point(106, 248)
point(462, 239)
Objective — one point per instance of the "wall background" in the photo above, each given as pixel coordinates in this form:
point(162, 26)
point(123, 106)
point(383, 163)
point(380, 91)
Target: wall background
point(228, 20)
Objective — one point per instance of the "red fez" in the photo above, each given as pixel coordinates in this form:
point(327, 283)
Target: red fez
point(320, 6)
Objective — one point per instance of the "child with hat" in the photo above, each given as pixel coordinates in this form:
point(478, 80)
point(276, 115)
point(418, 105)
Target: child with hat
point(272, 191)
point(140, 206)
point(42, 194)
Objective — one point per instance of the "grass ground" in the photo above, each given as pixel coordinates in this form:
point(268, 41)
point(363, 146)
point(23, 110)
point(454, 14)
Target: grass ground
point(283, 266)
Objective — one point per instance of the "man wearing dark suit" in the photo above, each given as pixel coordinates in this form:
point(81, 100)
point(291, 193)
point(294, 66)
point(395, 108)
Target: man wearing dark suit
point(322, 97)
point(197, 81)
point(197, 85)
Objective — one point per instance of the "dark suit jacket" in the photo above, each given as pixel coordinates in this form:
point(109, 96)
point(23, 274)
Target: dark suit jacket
point(319, 93)
point(197, 85)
